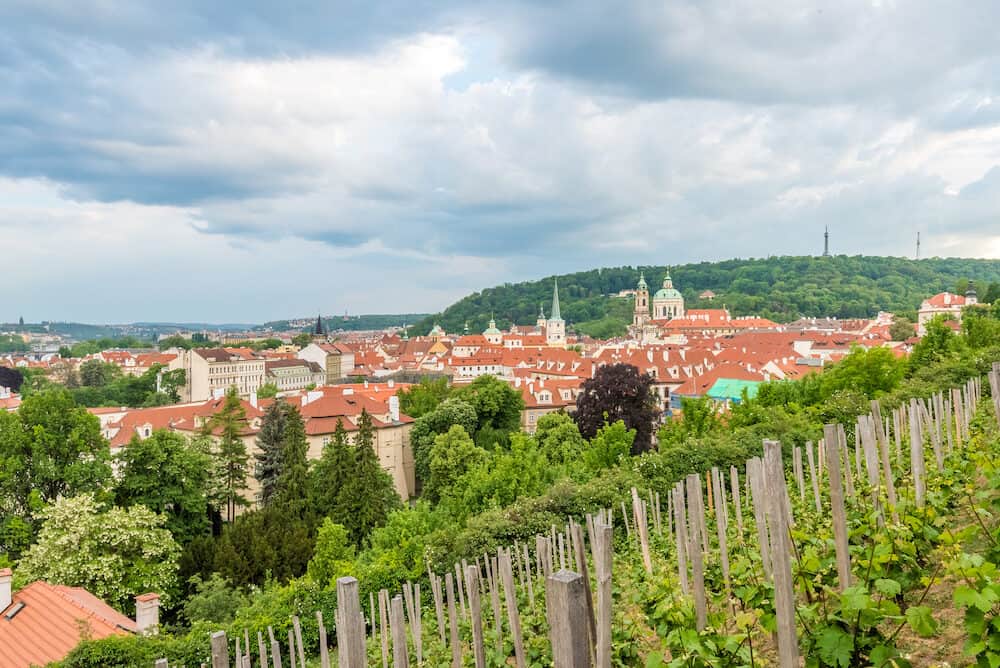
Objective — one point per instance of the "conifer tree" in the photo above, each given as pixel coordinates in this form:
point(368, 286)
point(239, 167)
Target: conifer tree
point(368, 496)
point(292, 485)
point(269, 443)
point(330, 473)
point(230, 452)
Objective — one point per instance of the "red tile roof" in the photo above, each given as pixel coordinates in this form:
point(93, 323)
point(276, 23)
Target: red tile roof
point(49, 625)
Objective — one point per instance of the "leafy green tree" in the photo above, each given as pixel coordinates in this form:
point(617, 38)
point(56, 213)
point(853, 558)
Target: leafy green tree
point(936, 344)
point(302, 340)
point(612, 444)
point(901, 329)
point(454, 453)
point(424, 397)
point(262, 544)
point(498, 406)
point(559, 438)
point(698, 418)
point(214, 600)
point(267, 391)
point(429, 426)
point(230, 452)
point(330, 473)
point(115, 553)
point(50, 448)
point(502, 478)
point(176, 341)
point(95, 373)
point(980, 326)
point(368, 496)
point(170, 477)
point(334, 554)
point(870, 371)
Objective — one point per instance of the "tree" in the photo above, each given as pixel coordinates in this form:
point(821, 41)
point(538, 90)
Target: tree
point(618, 392)
point(559, 438)
point(501, 479)
point(427, 427)
point(498, 408)
point(936, 343)
point(369, 495)
point(330, 473)
point(867, 370)
point(267, 391)
point(170, 477)
point(116, 553)
point(12, 379)
point(214, 600)
point(698, 418)
point(423, 397)
point(453, 454)
point(230, 452)
point(612, 443)
point(292, 488)
point(270, 442)
point(302, 340)
point(263, 544)
point(334, 554)
point(176, 341)
point(901, 329)
point(95, 373)
point(50, 448)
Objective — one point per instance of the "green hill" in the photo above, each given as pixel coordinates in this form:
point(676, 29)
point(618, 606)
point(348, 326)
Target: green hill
point(779, 288)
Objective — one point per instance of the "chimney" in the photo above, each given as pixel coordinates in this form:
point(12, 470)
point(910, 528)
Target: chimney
point(391, 383)
point(147, 614)
point(394, 408)
point(348, 391)
point(6, 575)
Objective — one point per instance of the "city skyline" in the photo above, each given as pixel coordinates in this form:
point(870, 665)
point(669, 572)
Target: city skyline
point(400, 156)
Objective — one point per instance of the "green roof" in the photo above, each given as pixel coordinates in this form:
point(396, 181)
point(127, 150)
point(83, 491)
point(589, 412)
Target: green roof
point(732, 389)
point(667, 293)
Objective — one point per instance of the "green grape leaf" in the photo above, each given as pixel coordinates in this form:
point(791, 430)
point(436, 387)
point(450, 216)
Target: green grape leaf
point(920, 620)
point(835, 647)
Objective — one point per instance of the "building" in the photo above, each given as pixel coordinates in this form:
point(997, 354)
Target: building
point(43, 622)
point(640, 312)
point(947, 304)
point(210, 372)
point(294, 374)
point(335, 359)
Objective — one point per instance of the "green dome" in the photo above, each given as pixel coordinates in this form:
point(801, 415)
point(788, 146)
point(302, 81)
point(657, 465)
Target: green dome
point(667, 293)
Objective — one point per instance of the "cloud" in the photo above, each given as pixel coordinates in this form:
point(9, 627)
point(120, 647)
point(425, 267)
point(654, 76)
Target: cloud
point(418, 151)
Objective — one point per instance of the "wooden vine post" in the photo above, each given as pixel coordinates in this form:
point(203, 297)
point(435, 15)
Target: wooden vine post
point(781, 556)
point(565, 606)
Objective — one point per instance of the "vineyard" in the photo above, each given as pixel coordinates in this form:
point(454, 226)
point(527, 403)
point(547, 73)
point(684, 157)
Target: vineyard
point(833, 560)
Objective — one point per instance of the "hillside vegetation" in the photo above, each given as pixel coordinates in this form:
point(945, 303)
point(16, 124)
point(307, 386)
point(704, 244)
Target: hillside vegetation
point(780, 288)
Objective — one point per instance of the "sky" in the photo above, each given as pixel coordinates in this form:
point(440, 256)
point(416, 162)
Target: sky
point(247, 160)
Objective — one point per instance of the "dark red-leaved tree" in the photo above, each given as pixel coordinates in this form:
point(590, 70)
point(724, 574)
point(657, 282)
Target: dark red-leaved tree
point(618, 392)
point(11, 378)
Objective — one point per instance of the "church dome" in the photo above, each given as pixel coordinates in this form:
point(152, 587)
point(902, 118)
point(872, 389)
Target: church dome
point(436, 331)
point(667, 293)
point(492, 329)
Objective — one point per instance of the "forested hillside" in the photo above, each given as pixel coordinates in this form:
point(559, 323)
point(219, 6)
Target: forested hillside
point(779, 288)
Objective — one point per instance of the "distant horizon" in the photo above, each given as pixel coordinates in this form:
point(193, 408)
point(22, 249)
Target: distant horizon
point(636, 267)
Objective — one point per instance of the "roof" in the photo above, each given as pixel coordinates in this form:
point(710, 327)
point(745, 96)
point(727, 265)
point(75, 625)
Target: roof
point(48, 627)
point(944, 300)
point(731, 388)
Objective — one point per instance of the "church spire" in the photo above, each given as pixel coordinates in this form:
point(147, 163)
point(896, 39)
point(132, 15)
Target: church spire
point(319, 325)
point(555, 315)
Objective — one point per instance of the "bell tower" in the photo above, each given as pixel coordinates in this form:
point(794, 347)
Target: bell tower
point(640, 314)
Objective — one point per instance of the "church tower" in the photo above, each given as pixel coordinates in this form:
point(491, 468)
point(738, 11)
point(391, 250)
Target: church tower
point(540, 323)
point(640, 314)
point(555, 326)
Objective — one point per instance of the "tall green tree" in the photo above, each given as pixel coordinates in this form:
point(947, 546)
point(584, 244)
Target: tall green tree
point(270, 443)
point(369, 495)
point(229, 451)
point(330, 473)
point(559, 438)
point(292, 488)
point(937, 343)
point(95, 373)
point(170, 477)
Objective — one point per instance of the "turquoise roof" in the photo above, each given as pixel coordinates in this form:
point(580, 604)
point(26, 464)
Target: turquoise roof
point(668, 293)
point(555, 315)
point(492, 329)
point(732, 389)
